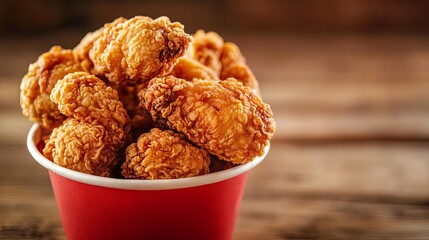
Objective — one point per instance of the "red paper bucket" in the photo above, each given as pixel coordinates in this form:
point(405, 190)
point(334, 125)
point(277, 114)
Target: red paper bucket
point(93, 207)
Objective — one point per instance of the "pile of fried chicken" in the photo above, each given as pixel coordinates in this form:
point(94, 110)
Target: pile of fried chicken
point(141, 97)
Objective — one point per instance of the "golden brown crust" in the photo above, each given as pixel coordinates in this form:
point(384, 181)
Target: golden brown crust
point(37, 84)
point(138, 49)
point(224, 58)
point(81, 51)
point(87, 98)
point(164, 155)
point(234, 66)
point(97, 128)
point(82, 147)
point(207, 48)
point(224, 117)
point(188, 68)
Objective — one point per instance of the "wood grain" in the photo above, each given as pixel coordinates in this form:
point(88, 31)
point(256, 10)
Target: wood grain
point(291, 218)
point(395, 172)
point(29, 212)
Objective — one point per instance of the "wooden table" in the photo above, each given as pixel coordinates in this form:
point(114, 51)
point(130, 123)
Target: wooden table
point(350, 158)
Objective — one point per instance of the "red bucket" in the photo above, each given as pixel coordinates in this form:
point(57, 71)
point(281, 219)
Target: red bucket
point(93, 207)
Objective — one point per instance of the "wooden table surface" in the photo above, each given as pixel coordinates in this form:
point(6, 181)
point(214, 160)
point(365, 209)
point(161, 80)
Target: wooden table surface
point(349, 160)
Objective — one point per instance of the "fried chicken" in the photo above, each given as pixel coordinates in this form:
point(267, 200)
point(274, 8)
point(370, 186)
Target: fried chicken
point(224, 117)
point(98, 125)
point(207, 48)
point(81, 51)
point(234, 65)
point(184, 105)
point(87, 98)
point(134, 50)
point(140, 120)
point(188, 68)
point(37, 84)
point(164, 155)
point(81, 146)
point(224, 58)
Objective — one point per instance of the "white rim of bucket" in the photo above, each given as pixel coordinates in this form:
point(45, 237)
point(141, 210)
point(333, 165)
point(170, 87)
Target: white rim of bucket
point(35, 134)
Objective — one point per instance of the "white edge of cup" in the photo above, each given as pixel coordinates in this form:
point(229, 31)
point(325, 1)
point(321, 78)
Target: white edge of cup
point(135, 184)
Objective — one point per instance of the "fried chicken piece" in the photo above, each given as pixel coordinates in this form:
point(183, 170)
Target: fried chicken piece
point(164, 155)
point(140, 120)
point(234, 65)
point(224, 58)
point(97, 128)
point(188, 68)
point(87, 98)
point(37, 84)
point(224, 117)
point(207, 48)
point(81, 51)
point(134, 50)
point(81, 146)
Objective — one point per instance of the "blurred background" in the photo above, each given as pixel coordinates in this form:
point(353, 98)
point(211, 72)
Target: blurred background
point(348, 82)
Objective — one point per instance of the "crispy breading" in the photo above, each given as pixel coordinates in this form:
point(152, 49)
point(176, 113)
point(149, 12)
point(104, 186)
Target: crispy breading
point(96, 130)
point(224, 117)
point(164, 155)
point(224, 58)
point(207, 48)
point(87, 98)
point(81, 51)
point(234, 65)
point(37, 84)
point(81, 146)
point(134, 50)
point(188, 68)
